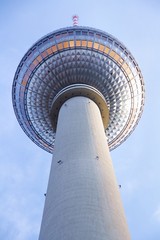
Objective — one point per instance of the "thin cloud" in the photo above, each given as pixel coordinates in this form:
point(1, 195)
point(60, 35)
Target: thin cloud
point(156, 214)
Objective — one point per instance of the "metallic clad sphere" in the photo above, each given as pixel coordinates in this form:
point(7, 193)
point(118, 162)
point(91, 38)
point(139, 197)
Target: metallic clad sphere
point(77, 55)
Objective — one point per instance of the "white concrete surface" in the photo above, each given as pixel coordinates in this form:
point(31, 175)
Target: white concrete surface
point(83, 200)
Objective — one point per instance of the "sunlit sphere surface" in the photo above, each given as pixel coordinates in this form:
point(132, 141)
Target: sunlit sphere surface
point(77, 55)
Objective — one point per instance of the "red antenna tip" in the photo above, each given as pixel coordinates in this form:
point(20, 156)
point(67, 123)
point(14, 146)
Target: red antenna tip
point(75, 20)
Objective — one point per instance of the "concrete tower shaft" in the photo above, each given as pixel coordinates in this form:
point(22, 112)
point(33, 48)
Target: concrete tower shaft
point(83, 199)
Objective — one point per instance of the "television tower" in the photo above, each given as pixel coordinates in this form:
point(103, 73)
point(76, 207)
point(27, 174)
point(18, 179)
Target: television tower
point(77, 93)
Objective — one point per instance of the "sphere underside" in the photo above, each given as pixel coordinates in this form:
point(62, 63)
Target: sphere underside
point(77, 55)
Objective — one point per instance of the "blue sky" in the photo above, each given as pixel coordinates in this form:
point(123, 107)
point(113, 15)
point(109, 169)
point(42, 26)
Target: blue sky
point(24, 168)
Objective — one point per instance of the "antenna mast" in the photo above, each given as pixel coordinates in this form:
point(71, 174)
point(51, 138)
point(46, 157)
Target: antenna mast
point(75, 19)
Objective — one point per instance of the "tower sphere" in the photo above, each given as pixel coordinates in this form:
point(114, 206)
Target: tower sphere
point(83, 57)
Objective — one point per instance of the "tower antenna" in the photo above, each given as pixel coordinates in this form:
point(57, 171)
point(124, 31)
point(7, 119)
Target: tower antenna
point(75, 19)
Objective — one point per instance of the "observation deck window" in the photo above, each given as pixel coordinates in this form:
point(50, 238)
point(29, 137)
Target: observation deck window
point(96, 45)
point(116, 44)
point(140, 75)
point(104, 38)
point(66, 44)
point(58, 36)
point(134, 63)
point(91, 34)
point(45, 40)
point(78, 32)
point(51, 36)
point(71, 33)
point(21, 64)
point(90, 44)
point(121, 48)
point(34, 48)
point(84, 43)
point(78, 43)
point(98, 35)
point(71, 43)
point(110, 40)
point(84, 33)
point(126, 53)
point(64, 34)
